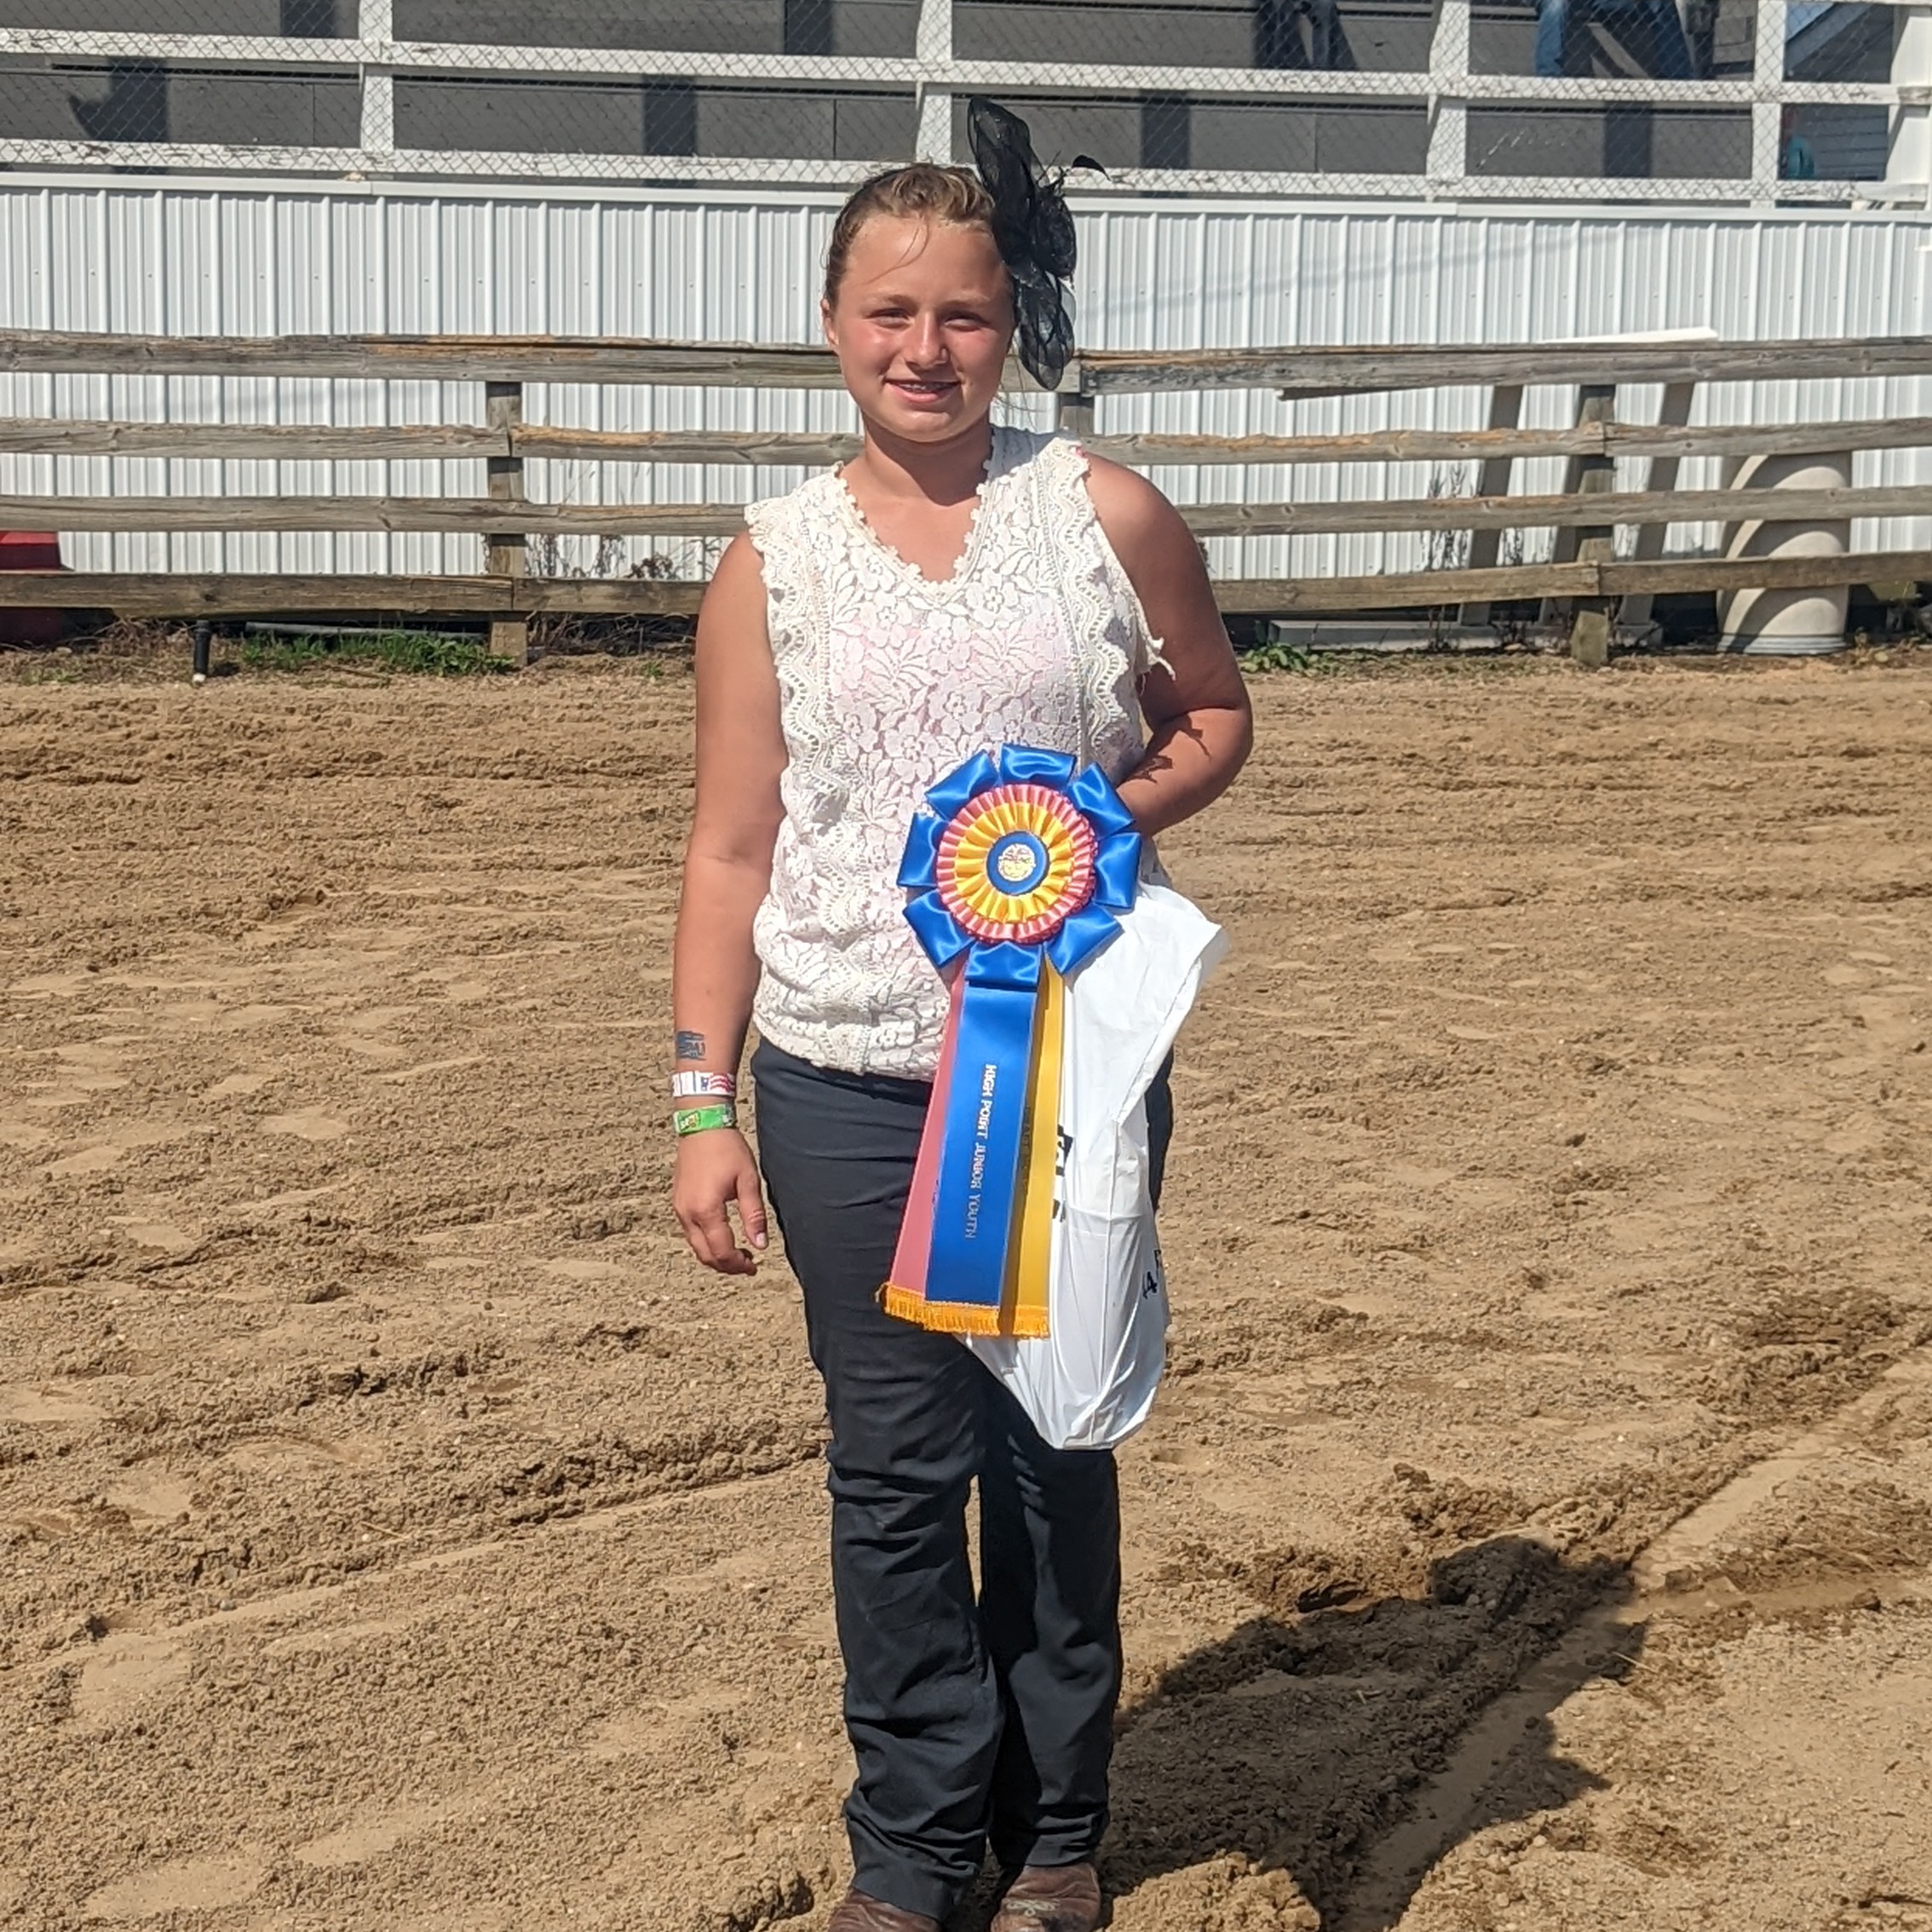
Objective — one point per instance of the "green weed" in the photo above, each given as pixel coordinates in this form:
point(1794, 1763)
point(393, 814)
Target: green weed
point(1278, 658)
point(427, 653)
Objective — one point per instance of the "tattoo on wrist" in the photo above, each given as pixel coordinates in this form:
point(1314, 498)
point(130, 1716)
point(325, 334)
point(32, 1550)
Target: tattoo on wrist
point(690, 1046)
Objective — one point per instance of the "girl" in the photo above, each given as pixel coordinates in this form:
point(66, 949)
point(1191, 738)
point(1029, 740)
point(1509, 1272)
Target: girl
point(959, 586)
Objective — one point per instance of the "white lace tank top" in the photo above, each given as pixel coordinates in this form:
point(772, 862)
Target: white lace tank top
point(888, 679)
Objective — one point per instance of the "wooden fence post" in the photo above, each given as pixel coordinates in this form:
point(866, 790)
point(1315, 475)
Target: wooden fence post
point(504, 551)
point(1073, 412)
point(1591, 543)
point(1662, 475)
point(1492, 480)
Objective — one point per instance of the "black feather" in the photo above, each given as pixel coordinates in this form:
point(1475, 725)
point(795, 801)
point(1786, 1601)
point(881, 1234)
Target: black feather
point(1032, 229)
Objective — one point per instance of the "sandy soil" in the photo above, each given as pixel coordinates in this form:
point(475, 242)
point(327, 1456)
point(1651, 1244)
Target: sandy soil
point(396, 1530)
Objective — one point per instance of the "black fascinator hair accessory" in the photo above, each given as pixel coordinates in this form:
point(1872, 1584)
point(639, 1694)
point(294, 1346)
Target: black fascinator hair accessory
point(1032, 228)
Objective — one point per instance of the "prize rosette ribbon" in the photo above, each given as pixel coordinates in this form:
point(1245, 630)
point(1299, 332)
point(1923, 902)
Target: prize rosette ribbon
point(1020, 865)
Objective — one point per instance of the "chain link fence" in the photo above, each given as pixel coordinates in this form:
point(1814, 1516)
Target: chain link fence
point(1746, 100)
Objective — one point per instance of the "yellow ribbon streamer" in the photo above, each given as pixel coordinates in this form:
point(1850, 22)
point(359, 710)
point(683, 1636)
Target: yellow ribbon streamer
point(1023, 1304)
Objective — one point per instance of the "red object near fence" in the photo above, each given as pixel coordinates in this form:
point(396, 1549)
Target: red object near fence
point(30, 549)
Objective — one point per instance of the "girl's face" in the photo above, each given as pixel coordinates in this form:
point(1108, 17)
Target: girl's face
point(920, 324)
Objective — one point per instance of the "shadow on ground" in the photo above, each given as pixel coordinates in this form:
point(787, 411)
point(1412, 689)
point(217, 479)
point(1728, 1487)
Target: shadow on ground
point(1327, 1757)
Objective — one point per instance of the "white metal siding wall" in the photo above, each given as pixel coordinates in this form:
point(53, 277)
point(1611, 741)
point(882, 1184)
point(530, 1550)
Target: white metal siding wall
point(265, 258)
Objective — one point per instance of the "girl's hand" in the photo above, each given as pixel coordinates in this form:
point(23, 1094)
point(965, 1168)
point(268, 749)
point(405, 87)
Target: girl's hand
point(714, 1169)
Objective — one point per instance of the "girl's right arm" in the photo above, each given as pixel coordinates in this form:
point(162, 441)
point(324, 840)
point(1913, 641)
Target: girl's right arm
point(728, 870)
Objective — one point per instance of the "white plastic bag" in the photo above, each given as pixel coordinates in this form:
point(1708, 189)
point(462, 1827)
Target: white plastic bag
point(1089, 1383)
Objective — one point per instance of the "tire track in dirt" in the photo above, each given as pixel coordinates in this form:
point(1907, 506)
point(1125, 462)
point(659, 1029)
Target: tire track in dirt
point(277, 1604)
point(125, 1676)
point(1450, 1806)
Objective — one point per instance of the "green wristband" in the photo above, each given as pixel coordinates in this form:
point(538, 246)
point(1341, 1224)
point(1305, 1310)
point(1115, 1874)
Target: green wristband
point(700, 1119)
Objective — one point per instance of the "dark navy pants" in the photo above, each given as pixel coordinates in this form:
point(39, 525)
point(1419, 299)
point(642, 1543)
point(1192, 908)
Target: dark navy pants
point(976, 1717)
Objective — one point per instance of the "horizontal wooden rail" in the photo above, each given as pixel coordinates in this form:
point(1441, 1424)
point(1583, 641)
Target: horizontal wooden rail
point(1298, 371)
point(779, 447)
point(1427, 589)
point(251, 442)
point(452, 359)
point(286, 442)
point(1634, 507)
point(411, 599)
point(1147, 449)
point(1144, 450)
point(303, 442)
point(485, 516)
point(408, 600)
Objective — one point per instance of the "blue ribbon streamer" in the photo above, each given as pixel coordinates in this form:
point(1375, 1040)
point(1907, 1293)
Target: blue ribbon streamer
point(978, 1183)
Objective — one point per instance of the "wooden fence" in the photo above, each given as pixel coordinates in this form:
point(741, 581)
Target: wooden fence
point(1586, 571)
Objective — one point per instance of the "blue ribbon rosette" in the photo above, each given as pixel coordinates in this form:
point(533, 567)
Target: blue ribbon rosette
point(1020, 866)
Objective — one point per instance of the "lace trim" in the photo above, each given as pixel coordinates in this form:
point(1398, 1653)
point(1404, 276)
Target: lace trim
point(998, 461)
point(1094, 601)
point(1148, 650)
point(795, 616)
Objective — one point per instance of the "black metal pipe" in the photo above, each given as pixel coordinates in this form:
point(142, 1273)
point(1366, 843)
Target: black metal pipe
point(203, 637)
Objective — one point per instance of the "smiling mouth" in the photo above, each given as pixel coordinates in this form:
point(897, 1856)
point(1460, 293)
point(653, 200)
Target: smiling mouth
point(912, 387)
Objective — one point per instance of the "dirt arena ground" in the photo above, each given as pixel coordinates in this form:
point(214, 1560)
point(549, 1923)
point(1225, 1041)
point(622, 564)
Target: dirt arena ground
point(1535, 1533)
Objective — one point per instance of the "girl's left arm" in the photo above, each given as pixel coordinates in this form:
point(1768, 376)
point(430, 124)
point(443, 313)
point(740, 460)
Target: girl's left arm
point(1201, 725)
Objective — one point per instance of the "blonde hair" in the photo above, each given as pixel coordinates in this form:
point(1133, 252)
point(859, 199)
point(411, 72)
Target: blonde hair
point(922, 190)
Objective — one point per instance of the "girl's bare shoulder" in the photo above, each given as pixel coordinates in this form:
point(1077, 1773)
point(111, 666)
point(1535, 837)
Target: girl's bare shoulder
point(733, 604)
point(1132, 511)
point(740, 572)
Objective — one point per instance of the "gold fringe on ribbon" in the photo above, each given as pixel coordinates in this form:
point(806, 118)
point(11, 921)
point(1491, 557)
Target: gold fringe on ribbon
point(947, 1318)
point(959, 1318)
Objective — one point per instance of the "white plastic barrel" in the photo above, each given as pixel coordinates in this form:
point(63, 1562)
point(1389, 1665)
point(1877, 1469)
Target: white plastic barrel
point(1786, 623)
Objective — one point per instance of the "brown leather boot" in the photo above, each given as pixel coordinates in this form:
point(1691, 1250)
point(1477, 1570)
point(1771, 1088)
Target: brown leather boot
point(859, 1911)
point(1051, 1898)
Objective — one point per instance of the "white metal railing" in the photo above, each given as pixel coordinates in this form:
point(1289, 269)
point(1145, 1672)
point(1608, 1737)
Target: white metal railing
point(1445, 90)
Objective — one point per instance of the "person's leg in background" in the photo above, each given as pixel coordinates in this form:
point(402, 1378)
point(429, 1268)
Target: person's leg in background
point(1658, 43)
point(907, 1407)
point(1332, 54)
point(1651, 30)
point(1278, 40)
point(1554, 20)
